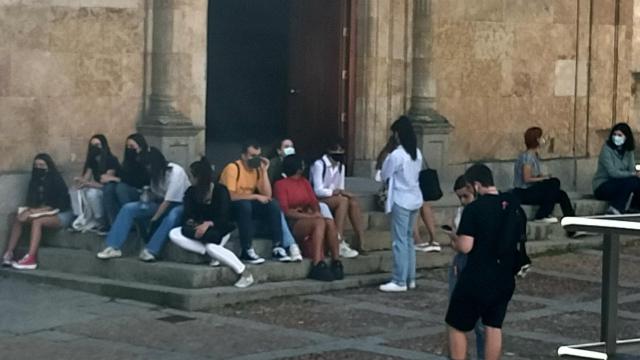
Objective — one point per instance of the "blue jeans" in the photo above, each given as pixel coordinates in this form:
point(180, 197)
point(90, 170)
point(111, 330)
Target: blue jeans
point(134, 211)
point(404, 254)
point(115, 195)
point(458, 263)
point(246, 211)
point(287, 236)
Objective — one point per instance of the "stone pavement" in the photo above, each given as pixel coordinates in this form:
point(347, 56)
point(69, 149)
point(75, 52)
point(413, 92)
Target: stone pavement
point(558, 303)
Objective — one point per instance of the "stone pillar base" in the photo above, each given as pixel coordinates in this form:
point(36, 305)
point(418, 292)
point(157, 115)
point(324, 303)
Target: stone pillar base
point(176, 141)
point(432, 131)
point(364, 168)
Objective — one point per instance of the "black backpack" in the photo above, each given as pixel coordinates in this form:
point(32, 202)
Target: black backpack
point(511, 246)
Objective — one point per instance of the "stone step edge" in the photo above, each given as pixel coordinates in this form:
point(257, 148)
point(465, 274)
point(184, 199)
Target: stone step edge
point(192, 299)
point(200, 299)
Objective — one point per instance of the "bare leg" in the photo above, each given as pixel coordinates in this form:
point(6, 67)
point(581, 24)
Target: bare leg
point(51, 222)
point(316, 228)
point(355, 216)
point(457, 344)
point(493, 343)
point(417, 238)
point(339, 206)
point(16, 232)
point(426, 212)
point(331, 239)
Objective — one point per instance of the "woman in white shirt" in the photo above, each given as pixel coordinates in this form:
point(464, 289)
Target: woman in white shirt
point(163, 211)
point(328, 177)
point(402, 169)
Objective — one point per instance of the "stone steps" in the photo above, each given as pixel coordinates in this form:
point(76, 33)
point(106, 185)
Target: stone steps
point(191, 276)
point(200, 287)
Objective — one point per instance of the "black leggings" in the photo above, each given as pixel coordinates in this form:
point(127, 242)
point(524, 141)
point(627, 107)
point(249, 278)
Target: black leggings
point(546, 194)
point(617, 192)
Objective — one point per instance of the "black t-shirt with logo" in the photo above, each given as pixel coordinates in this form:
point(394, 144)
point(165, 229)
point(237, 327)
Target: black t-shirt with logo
point(482, 220)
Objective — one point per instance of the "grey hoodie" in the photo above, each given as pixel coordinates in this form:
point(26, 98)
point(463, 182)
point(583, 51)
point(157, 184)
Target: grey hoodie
point(613, 166)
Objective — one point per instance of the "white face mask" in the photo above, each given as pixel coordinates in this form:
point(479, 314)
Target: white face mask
point(618, 140)
point(289, 151)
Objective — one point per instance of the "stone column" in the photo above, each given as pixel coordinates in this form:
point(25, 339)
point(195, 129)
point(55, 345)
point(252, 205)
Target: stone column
point(164, 126)
point(432, 128)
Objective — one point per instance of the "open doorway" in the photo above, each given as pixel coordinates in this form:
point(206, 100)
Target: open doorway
point(278, 68)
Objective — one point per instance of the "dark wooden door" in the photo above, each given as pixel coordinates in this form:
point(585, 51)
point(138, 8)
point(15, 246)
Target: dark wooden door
point(318, 99)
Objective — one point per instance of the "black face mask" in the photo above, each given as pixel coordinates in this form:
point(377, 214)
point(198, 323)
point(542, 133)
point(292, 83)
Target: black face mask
point(39, 173)
point(130, 154)
point(94, 151)
point(337, 157)
point(254, 162)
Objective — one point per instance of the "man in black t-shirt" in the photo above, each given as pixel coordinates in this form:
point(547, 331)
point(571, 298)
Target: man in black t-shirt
point(486, 284)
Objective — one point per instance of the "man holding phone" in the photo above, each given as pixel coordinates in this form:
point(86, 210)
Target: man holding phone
point(248, 183)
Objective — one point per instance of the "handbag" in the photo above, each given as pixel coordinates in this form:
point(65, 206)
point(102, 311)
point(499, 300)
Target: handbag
point(429, 184)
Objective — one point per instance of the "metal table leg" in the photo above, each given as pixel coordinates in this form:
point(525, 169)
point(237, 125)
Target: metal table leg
point(609, 305)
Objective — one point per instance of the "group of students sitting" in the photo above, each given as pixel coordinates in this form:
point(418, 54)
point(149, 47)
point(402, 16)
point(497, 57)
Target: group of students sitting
point(158, 196)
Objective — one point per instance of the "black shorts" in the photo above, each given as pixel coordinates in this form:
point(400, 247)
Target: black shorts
point(472, 300)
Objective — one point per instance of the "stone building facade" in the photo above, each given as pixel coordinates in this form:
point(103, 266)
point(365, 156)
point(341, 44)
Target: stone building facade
point(473, 73)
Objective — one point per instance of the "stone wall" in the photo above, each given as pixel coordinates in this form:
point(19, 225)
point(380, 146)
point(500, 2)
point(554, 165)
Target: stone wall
point(68, 69)
point(502, 66)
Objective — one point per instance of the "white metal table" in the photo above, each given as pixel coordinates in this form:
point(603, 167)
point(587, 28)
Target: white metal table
point(611, 227)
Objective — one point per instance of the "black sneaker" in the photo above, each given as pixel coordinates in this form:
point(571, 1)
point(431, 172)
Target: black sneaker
point(249, 256)
point(320, 271)
point(336, 270)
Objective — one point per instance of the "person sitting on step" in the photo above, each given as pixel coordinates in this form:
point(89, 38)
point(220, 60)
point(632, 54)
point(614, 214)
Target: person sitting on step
point(534, 188)
point(206, 225)
point(48, 206)
point(126, 185)
point(617, 179)
point(160, 207)
point(99, 167)
point(328, 177)
point(311, 229)
point(247, 180)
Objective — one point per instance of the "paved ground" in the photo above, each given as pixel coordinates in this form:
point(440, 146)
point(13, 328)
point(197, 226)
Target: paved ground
point(557, 304)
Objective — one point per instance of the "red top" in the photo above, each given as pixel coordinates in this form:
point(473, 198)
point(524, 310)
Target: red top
point(294, 193)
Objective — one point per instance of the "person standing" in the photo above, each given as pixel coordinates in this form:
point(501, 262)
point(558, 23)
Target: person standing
point(402, 169)
point(486, 284)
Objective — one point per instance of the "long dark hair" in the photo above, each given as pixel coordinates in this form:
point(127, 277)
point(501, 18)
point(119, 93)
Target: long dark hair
point(48, 183)
point(105, 154)
point(203, 174)
point(406, 135)
point(157, 164)
point(629, 143)
point(144, 149)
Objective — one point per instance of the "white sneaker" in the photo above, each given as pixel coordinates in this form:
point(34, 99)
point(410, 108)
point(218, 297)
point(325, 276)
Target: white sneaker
point(245, 280)
point(412, 285)
point(392, 287)
point(294, 253)
point(346, 251)
point(548, 220)
point(214, 263)
point(109, 253)
point(7, 259)
point(430, 247)
point(146, 255)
